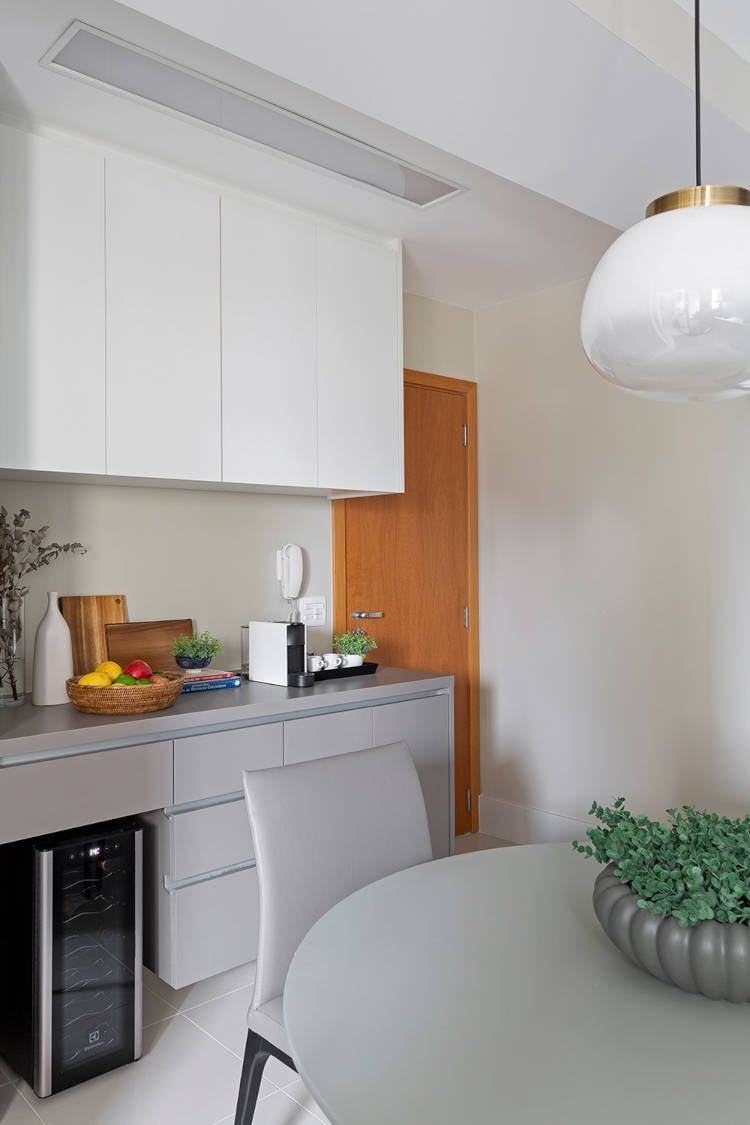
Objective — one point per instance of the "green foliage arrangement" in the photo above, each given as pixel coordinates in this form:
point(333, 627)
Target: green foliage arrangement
point(354, 643)
point(695, 867)
point(201, 646)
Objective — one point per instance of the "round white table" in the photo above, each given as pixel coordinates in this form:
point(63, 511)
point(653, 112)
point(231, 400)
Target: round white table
point(481, 988)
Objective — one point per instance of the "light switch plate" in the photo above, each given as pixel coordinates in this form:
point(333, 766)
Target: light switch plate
point(312, 612)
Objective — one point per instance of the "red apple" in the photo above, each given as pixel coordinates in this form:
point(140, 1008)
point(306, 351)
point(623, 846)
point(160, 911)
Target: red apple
point(139, 669)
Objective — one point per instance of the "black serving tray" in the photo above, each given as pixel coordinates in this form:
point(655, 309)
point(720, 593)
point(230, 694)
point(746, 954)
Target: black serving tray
point(365, 669)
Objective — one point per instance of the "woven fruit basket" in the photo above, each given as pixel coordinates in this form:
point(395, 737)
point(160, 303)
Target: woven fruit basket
point(125, 699)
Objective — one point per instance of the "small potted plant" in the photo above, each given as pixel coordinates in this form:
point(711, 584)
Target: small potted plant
point(197, 651)
point(353, 646)
point(675, 897)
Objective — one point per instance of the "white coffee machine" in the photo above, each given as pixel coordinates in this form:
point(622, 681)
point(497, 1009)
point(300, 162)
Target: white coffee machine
point(276, 653)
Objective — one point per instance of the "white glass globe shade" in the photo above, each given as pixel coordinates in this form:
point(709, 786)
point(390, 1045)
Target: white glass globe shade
point(667, 311)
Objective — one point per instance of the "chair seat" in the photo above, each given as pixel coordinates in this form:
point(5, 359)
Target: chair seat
point(268, 1021)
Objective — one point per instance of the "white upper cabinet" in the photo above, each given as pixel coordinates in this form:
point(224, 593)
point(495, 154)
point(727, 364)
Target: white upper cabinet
point(51, 305)
point(360, 375)
point(152, 328)
point(163, 325)
point(268, 346)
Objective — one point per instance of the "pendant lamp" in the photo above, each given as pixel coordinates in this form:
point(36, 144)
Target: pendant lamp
point(667, 310)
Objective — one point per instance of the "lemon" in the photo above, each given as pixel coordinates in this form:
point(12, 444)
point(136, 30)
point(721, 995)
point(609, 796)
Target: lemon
point(94, 679)
point(110, 669)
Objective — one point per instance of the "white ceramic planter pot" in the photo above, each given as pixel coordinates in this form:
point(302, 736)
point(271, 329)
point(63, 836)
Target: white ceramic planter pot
point(352, 661)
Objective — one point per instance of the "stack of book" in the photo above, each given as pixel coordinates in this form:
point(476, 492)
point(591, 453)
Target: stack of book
point(206, 679)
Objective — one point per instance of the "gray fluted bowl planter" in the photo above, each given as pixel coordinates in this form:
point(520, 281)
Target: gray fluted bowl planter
point(712, 958)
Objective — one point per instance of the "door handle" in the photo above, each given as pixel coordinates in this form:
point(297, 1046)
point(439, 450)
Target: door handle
point(357, 615)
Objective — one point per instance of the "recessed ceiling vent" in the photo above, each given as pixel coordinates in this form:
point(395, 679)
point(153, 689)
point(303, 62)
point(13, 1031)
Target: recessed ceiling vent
point(85, 52)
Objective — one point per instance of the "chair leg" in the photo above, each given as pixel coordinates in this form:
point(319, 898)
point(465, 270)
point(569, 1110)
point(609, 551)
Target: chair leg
point(257, 1050)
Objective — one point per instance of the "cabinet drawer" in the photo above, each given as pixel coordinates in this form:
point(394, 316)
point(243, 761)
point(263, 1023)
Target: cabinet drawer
point(213, 926)
point(66, 792)
point(209, 838)
point(322, 736)
point(208, 765)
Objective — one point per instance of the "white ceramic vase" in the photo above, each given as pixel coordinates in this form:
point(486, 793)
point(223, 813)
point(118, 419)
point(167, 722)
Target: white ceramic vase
point(53, 657)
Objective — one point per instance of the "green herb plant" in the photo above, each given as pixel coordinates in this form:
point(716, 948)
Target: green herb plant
point(201, 646)
point(354, 643)
point(693, 868)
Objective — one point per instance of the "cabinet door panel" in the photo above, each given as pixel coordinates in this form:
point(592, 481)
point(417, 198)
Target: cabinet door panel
point(425, 725)
point(64, 792)
point(360, 376)
point(213, 926)
point(163, 326)
point(322, 736)
point(268, 346)
point(51, 305)
point(209, 765)
point(209, 838)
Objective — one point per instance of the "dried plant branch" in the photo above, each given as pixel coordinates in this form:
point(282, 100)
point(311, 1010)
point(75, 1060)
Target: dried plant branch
point(22, 552)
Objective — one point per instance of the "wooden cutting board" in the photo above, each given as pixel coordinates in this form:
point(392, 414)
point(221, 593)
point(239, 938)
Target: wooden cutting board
point(146, 640)
point(87, 616)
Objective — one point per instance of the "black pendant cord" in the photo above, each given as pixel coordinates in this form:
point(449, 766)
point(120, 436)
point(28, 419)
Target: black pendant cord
point(698, 92)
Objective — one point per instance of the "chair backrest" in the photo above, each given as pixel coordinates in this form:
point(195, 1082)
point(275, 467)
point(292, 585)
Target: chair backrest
point(321, 830)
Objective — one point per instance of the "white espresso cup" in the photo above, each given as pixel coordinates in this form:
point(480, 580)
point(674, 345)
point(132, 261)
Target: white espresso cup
point(332, 660)
point(315, 663)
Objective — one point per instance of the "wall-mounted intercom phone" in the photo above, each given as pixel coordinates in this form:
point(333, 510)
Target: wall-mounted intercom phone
point(289, 570)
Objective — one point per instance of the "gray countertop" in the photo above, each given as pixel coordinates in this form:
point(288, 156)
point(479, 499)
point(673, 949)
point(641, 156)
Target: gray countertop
point(29, 733)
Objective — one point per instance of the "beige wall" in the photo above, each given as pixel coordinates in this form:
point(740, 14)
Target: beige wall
point(176, 552)
point(614, 550)
point(208, 555)
point(438, 338)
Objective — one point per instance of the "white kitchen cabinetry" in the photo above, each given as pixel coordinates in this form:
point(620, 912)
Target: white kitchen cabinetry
point(51, 305)
point(360, 374)
point(163, 325)
point(269, 398)
point(311, 354)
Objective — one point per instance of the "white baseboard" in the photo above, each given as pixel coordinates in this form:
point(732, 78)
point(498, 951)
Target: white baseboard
point(523, 825)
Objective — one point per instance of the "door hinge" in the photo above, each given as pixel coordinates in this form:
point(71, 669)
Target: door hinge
point(466, 435)
point(468, 800)
point(466, 617)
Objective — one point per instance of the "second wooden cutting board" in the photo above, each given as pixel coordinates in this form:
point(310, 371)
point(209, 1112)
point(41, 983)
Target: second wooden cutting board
point(146, 640)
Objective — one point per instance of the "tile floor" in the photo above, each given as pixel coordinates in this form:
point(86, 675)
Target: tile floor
point(193, 1042)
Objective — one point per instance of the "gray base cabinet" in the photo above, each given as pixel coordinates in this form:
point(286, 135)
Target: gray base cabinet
point(201, 907)
point(423, 724)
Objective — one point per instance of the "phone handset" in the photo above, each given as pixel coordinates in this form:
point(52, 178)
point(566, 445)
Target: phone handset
point(289, 574)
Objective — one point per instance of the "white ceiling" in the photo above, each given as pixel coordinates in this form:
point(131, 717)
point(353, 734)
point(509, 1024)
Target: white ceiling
point(559, 130)
point(727, 19)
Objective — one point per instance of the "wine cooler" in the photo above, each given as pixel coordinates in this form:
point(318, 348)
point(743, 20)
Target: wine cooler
point(71, 953)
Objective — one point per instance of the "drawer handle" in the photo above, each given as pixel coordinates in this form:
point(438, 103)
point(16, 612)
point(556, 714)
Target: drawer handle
point(172, 885)
point(358, 614)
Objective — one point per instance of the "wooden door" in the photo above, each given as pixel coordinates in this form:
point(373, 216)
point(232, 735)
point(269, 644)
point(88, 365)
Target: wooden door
point(412, 557)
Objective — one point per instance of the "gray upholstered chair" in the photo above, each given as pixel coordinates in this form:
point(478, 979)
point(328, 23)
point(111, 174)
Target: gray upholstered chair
point(321, 830)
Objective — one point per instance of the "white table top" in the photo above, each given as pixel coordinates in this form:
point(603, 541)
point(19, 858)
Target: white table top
point(481, 988)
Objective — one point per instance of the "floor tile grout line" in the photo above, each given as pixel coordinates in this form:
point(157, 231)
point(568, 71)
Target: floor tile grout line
point(305, 1108)
point(31, 1107)
point(203, 1003)
point(274, 1088)
point(210, 1036)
